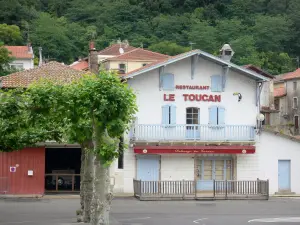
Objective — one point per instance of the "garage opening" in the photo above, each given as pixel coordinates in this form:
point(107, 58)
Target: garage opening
point(62, 169)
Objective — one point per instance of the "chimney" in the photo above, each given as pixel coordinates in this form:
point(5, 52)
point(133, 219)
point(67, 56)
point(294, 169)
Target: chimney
point(226, 52)
point(93, 59)
point(41, 57)
point(29, 47)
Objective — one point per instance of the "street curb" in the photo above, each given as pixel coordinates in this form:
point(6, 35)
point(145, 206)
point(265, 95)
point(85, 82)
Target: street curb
point(32, 197)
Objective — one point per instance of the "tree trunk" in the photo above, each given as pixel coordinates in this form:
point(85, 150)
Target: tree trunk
point(88, 185)
point(82, 183)
point(102, 193)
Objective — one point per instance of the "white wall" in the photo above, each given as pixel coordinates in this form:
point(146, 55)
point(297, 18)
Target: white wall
point(150, 98)
point(273, 148)
point(27, 63)
point(177, 167)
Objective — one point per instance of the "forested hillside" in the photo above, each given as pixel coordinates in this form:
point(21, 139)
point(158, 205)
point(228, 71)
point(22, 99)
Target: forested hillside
point(261, 32)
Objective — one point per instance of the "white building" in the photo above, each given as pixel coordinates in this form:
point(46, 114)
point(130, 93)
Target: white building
point(23, 57)
point(197, 119)
point(279, 160)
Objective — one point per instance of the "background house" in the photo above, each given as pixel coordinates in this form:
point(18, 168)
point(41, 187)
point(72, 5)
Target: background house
point(23, 57)
point(121, 58)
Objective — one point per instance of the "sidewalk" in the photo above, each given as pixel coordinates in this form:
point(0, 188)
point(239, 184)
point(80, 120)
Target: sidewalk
point(58, 196)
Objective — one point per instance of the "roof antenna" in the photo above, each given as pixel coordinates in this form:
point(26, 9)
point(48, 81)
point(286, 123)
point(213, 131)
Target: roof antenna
point(191, 44)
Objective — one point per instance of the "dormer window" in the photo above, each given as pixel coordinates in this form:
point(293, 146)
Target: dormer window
point(227, 52)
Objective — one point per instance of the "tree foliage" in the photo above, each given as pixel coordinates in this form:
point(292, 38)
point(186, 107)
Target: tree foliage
point(269, 25)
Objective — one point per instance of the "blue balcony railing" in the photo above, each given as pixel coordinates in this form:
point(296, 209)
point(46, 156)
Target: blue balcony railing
point(159, 132)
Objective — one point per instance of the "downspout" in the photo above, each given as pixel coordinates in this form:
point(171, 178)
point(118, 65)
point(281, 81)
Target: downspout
point(259, 87)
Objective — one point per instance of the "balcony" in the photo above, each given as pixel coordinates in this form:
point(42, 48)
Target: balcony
point(186, 132)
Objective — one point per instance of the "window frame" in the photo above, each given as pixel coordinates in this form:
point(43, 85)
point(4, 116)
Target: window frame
point(192, 113)
point(295, 85)
point(122, 69)
point(295, 106)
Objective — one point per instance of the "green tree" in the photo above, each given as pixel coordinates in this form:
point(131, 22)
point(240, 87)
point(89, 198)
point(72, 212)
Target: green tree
point(52, 34)
point(10, 34)
point(5, 59)
point(271, 33)
point(168, 48)
point(245, 51)
point(205, 37)
point(277, 63)
point(93, 111)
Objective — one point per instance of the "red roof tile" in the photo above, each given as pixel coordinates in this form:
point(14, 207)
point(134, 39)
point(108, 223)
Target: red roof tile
point(279, 92)
point(258, 70)
point(55, 71)
point(20, 52)
point(140, 54)
point(80, 65)
point(114, 49)
point(291, 75)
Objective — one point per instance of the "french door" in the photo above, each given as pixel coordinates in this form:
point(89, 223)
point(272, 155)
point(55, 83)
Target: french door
point(213, 169)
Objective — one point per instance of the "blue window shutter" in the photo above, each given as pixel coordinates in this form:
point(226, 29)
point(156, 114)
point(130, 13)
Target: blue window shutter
point(168, 81)
point(165, 114)
point(221, 116)
point(173, 114)
point(216, 83)
point(213, 113)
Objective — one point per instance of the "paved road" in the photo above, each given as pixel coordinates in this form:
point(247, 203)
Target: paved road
point(132, 212)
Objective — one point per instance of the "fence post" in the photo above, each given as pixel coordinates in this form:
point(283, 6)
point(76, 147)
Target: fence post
point(140, 189)
point(226, 189)
point(214, 188)
point(195, 188)
point(267, 189)
point(183, 190)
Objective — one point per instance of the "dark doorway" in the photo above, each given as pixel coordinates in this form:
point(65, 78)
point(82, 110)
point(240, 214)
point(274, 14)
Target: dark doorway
point(62, 169)
point(296, 122)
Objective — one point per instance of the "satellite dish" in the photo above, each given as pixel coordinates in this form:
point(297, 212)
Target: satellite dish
point(121, 50)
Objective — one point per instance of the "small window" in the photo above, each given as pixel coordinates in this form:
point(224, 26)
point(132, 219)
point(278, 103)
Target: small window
point(17, 66)
point(277, 103)
point(192, 116)
point(295, 85)
point(121, 154)
point(216, 115)
point(216, 83)
point(227, 52)
point(167, 81)
point(122, 68)
point(295, 102)
point(144, 64)
point(168, 114)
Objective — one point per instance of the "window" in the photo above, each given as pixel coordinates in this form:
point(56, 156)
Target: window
point(18, 66)
point(216, 115)
point(295, 102)
point(144, 64)
point(295, 85)
point(167, 81)
point(121, 153)
point(192, 116)
point(122, 68)
point(216, 83)
point(277, 103)
point(168, 114)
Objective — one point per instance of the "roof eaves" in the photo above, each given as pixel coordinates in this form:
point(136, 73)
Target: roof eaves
point(201, 53)
point(163, 63)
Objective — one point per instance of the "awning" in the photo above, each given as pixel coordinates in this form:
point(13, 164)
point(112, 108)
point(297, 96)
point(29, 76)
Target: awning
point(222, 149)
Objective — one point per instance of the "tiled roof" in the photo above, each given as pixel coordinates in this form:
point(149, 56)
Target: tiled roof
point(20, 52)
point(114, 49)
point(53, 71)
point(80, 65)
point(140, 54)
point(279, 92)
point(291, 75)
point(258, 70)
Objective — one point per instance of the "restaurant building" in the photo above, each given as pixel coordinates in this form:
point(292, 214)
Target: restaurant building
point(197, 119)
